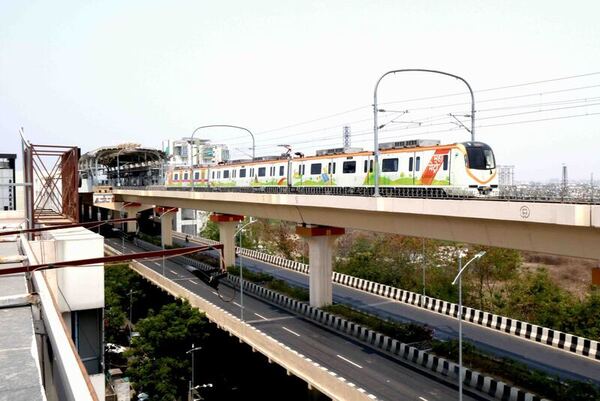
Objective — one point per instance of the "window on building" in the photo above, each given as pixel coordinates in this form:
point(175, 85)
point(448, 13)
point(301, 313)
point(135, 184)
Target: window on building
point(176, 177)
point(196, 175)
point(242, 172)
point(262, 171)
point(389, 165)
point(315, 168)
point(226, 174)
point(281, 171)
point(445, 165)
point(410, 164)
point(418, 163)
point(349, 167)
point(186, 176)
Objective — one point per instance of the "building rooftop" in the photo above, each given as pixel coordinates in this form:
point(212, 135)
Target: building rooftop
point(20, 377)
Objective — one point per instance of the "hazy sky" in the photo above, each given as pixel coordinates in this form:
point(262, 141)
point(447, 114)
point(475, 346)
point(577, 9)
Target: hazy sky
point(93, 73)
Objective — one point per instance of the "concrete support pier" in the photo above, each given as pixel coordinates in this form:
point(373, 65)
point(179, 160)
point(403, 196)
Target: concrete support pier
point(227, 225)
point(166, 223)
point(320, 254)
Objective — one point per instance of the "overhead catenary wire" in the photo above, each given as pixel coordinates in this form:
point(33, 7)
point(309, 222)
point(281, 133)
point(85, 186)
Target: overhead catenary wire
point(430, 97)
point(368, 132)
point(412, 110)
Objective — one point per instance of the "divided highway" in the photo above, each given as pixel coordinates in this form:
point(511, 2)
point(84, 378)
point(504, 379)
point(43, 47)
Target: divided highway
point(379, 375)
point(536, 355)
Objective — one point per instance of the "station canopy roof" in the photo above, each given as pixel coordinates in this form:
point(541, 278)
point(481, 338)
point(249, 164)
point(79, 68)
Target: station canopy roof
point(127, 153)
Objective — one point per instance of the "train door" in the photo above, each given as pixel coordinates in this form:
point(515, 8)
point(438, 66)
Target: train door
point(289, 173)
point(410, 171)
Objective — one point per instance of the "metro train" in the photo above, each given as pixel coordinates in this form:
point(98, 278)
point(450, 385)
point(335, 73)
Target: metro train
point(417, 167)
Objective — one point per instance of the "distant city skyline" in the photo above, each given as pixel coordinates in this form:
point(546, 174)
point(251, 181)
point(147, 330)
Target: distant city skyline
point(95, 74)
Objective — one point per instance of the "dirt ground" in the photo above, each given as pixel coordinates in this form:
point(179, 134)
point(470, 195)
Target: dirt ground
point(571, 274)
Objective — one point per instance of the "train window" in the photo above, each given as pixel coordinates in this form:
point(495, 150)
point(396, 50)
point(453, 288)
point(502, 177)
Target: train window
point(196, 175)
point(234, 173)
point(262, 171)
point(219, 175)
point(213, 175)
point(185, 176)
point(389, 165)
point(329, 168)
point(315, 168)
point(418, 163)
point(176, 177)
point(334, 163)
point(273, 170)
point(242, 172)
point(365, 166)
point(281, 171)
point(445, 165)
point(226, 174)
point(349, 167)
point(301, 169)
point(410, 164)
point(251, 171)
point(480, 158)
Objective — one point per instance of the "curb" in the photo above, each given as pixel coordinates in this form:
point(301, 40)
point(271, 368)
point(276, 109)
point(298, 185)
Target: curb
point(438, 365)
point(554, 338)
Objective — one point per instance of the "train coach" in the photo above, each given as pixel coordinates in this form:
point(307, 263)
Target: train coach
point(413, 167)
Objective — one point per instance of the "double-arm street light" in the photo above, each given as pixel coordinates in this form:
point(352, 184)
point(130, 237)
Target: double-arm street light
point(458, 278)
point(376, 126)
point(191, 351)
point(240, 231)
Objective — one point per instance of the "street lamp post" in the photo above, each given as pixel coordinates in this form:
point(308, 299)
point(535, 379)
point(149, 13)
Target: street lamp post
point(376, 110)
point(162, 240)
point(458, 278)
point(240, 230)
point(191, 351)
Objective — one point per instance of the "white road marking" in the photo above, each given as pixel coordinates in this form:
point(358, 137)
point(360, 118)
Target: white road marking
point(174, 272)
point(235, 303)
point(423, 399)
point(216, 293)
point(260, 316)
point(194, 282)
point(349, 361)
point(157, 264)
point(293, 332)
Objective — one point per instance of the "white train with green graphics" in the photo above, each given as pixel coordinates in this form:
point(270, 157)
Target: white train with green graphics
point(414, 167)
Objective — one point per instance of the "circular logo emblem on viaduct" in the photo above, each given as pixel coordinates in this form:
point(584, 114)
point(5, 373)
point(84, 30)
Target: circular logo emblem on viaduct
point(525, 212)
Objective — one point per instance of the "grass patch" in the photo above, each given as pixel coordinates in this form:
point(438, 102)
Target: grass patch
point(404, 332)
point(268, 281)
point(518, 373)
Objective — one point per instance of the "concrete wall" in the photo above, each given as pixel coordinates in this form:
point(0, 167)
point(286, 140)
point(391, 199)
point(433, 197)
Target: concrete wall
point(560, 229)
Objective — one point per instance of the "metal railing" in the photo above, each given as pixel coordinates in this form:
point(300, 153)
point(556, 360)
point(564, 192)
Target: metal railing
point(551, 193)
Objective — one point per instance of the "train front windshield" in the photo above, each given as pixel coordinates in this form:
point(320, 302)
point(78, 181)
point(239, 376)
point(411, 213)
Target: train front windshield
point(480, 157)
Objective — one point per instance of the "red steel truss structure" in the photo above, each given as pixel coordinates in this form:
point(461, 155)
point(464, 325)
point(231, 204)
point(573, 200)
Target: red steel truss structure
point(51, 175)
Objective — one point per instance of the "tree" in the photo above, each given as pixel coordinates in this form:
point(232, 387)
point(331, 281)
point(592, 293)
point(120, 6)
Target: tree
point(496, 266)
point(533, 297)
point(158, 363)
point(211, 231)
